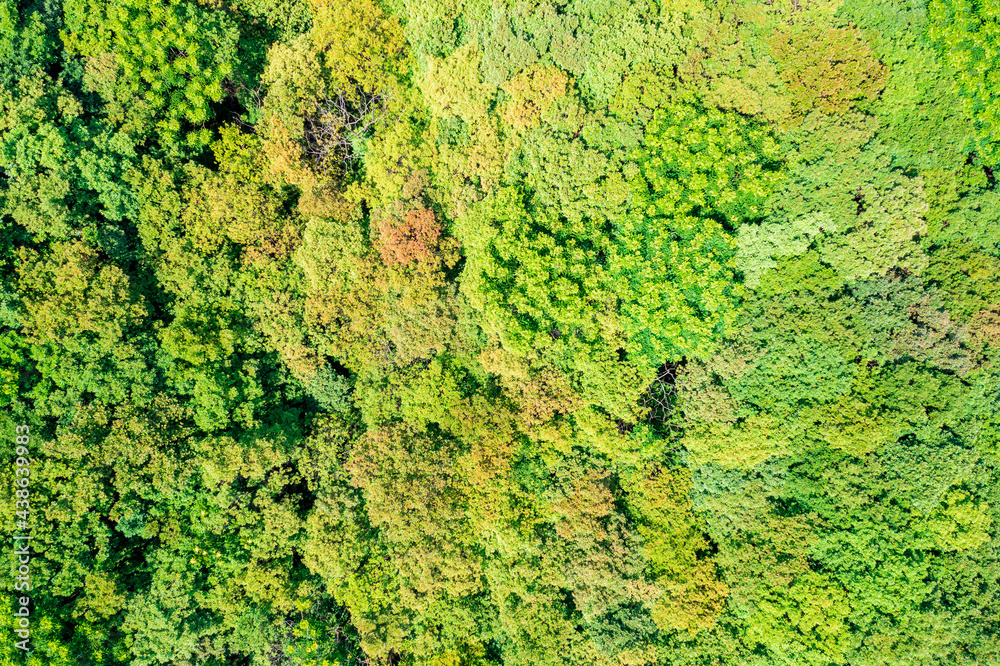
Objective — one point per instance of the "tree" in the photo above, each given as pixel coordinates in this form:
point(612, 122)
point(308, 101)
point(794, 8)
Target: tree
point(158, 67)
point(89, 336)
point(700, 173)
point(965, 31)
point(26, 40)
point(827, 68)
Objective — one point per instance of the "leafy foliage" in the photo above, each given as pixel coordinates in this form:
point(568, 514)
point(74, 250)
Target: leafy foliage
point(479, 333)
point(159, 64)
point(966, 33)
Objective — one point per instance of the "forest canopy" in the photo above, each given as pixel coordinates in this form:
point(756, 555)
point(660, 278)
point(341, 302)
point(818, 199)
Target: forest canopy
point(477, 333)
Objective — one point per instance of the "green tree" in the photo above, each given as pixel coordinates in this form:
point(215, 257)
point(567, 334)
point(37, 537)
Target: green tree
point(965, 32)
point(700, 173)
point(158, 67)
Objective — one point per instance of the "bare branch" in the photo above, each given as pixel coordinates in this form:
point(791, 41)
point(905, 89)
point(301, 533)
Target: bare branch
point(340, 122)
